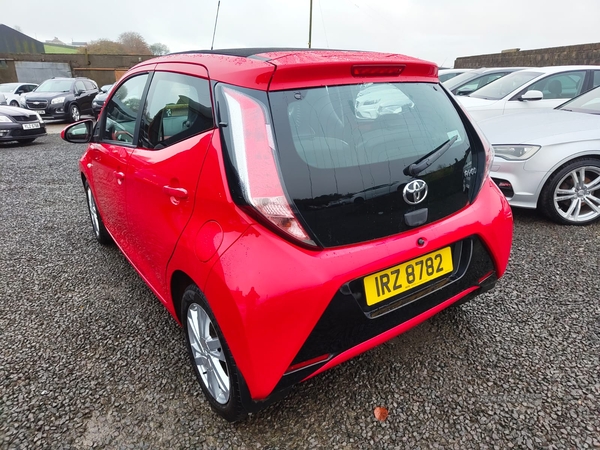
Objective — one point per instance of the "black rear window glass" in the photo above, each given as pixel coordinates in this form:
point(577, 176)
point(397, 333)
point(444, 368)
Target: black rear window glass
point(362, 125)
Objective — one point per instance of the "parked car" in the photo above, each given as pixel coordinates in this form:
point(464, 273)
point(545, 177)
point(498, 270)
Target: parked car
point(468, 82)
point(18, 124)
point(217, 173)
point(12, 91)
point(62, 98)
point(99, 99)
point(551, 159)
point(447, 74)
point(378, 99)
point(527, 90)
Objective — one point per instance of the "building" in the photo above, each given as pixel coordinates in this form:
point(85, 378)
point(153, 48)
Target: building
point(13, 41)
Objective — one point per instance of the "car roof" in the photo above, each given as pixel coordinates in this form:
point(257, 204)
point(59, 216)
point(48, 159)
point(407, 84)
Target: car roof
point(554, 69)
point(282, 68)
point(442, 71)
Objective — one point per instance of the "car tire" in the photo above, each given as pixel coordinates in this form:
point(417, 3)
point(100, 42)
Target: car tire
point(571, 196)
point(100, 232)
point(74, 113)
point(14, 103)
point(211, 359)
point(26, 141)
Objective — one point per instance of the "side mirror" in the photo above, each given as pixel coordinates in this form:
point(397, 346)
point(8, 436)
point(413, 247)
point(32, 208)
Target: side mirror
point(79, 132)
point(532, 95)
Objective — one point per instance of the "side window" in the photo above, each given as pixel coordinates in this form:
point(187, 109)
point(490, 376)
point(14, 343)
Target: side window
point(178, 107)
point(89, 85)
point(122, 110)
point(561, 85)
point(596, 80)
point(29, 87)
point(79, 86)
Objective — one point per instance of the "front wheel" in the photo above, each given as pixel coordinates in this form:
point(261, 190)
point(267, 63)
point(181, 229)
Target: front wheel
point(571, 195)
point(74, 113)
point(14, 103)
point(210, 356)
point(100, 231)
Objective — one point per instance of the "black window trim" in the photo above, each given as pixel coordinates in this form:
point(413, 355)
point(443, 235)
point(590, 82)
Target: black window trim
point(145, 98)
point(138, 120)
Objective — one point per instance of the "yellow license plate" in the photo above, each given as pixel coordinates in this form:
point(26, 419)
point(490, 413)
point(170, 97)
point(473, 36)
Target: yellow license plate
point(395, 280)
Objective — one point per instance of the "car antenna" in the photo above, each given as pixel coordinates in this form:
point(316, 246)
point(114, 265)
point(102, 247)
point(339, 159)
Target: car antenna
point(215, 29)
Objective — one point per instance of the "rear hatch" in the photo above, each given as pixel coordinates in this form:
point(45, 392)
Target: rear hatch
point(344, 152)
point(349, 162)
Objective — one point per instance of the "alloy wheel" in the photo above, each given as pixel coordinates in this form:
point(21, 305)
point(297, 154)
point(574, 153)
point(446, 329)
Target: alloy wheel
point(75, 116)
point(208, 353)
point(93, 211)
point(577, 197)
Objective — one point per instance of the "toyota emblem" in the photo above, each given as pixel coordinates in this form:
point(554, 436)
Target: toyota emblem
point(415, 192)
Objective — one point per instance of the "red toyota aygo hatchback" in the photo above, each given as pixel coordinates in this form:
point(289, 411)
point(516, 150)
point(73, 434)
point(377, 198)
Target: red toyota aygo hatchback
point(292, 208)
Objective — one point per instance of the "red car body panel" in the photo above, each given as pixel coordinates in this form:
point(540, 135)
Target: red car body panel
point(266, 292)
point(161, 185)
point(275, 309)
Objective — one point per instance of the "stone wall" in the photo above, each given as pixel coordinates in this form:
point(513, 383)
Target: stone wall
point(555, 56)
point(103, 69)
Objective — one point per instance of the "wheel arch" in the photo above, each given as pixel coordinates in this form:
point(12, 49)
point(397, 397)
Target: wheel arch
point(179, 282)
point(591, 154)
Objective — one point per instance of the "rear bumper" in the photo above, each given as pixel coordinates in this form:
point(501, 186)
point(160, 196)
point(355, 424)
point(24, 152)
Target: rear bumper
point(292, 307)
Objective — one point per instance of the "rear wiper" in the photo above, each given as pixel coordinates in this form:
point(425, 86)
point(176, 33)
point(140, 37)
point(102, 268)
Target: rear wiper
point(421, 164)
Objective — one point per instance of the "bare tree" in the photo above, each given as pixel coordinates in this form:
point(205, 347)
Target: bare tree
point(104, 47)
point(134, 43)
point(159, 49)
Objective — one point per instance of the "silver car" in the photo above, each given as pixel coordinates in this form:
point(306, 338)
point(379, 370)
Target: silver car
point(550, 159)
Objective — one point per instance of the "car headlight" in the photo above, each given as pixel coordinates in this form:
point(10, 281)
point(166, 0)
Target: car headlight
point(516, 152)
point(57, 100)
point(5, 119)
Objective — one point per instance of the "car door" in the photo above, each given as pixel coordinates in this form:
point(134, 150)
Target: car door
point(175, 131)
point(86, 96)
point(110, 153)
point(557, 89)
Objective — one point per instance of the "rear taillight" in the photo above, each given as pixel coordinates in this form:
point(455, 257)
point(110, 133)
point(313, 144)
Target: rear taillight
point(253, 150)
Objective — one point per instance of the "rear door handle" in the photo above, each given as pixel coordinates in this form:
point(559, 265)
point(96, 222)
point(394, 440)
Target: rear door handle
point(175, 192)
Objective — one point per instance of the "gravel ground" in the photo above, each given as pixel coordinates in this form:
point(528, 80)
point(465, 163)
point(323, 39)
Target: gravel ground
point(89, 357)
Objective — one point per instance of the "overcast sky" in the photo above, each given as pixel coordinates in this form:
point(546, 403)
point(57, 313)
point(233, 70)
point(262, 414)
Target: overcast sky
point(435, 30)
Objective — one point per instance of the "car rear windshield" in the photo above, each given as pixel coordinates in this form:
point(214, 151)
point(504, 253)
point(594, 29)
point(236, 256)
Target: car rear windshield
point(350, 145)
point(503, 86)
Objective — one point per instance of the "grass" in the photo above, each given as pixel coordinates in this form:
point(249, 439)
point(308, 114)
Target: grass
point(49, 48)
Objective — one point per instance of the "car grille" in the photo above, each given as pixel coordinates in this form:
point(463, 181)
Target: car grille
point(31, 118)
point(37, 104)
